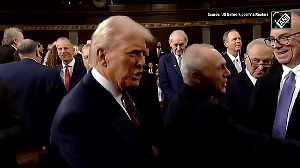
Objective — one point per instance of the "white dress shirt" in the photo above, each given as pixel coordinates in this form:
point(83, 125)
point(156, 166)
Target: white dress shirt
point(71, 68)
point(286, 70)
point(109, 87)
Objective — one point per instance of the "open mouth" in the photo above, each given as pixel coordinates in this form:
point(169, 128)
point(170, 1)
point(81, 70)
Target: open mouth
point(282, 52)
point(137, 76)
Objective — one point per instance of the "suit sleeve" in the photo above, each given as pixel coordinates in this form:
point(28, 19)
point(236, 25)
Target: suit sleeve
point(164, 80)
point(11, 124)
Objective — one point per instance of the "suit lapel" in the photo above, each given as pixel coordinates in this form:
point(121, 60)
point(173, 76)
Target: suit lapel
point(175, 64)
point(118, 117)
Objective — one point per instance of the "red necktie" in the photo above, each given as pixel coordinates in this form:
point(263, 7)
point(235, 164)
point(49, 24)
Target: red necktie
point(67, 78)
point(132, 114)
point(158, 53)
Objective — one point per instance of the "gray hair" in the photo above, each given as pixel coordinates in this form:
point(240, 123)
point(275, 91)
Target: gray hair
point(192, 60)
point(27, 46)
point(225, 35)
point(177, 32)
point(111, 31)
point(259, 41)
point(64, 39)
point(10, 34)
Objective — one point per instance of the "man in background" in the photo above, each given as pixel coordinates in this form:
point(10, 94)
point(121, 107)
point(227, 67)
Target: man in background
point(234, 60)
point(11, 39)
point(170, 77)
point(240, 88)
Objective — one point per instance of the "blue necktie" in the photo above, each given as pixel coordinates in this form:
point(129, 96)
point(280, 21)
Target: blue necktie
point(283, 106)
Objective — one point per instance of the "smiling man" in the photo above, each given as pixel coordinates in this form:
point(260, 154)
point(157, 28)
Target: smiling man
point(97, 124)
point(240, 88)
point(270, 114)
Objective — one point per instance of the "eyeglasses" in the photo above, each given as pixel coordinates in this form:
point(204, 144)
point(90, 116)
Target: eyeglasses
point(257, 62)
point(270, 41)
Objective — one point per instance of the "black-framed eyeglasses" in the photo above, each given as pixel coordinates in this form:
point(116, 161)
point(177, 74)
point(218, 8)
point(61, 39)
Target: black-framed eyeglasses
point(270, 41)
point(257, 62)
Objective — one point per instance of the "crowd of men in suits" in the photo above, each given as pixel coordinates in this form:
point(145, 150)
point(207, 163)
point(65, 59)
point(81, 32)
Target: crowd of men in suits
point(101, 109)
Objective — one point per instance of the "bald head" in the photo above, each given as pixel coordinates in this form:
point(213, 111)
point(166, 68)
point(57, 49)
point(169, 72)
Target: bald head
point(204, 68)
point(29, 49)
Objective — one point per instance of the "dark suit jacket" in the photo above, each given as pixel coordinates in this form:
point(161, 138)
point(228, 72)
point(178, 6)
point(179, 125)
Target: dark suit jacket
point(230, 66)
point(32, 86)
point(90, 129)
point(170, 78)
point(199, 132)
point(239, 92)
point(145, 97)
point(8, 54)
point(78, 72)
point(11, 128)
point(153, 57)
point(264, 107)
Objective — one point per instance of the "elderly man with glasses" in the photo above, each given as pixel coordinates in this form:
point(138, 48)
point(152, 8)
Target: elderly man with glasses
point(276, 106)
point(240, 88)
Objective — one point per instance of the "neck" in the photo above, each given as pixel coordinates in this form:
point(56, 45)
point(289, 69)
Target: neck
point(234, 53)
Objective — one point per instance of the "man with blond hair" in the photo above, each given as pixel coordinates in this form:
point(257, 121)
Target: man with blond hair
point(97, 124)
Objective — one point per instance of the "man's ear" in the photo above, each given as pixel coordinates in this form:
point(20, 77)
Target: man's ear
point(196, 77)
point(225, 44)
point(102, 56)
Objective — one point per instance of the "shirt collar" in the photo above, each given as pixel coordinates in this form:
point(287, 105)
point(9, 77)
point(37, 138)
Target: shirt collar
point(14, 47)
point(286, 70)
point(106, 84)
point(233, 57)
point(253, 80)
point(71, 64)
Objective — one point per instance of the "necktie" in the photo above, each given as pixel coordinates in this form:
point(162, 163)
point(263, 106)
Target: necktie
point(132, 114)
point(67, 78)
point(179, 60)
point(285, 98)
point(158, 52)
point(237, 65)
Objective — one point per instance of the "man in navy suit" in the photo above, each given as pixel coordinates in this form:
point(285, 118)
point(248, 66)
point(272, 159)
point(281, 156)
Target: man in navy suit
point(96, 125)
point(33, 90)
point(199, 131)
point(11, 128)
point(234, 60)
point(11, 38)
point(286, 46)
point(75, 67)
point(170, 77)
point(240, 88)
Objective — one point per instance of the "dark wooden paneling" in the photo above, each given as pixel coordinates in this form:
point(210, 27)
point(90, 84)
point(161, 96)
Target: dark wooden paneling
point(84, 35)
point(45, 37)
point(162, 34)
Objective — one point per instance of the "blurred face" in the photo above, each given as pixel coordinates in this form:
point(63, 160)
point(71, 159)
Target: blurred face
point(156, 72)
point(288, 54)
point(150, 65)
point(19, 39)
point(215, 73)
point(125, 62)
point(258, 60)
point(233, 42)
point(158, 45)
point(178, 44)
point(85, 58)
point(65, 51)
